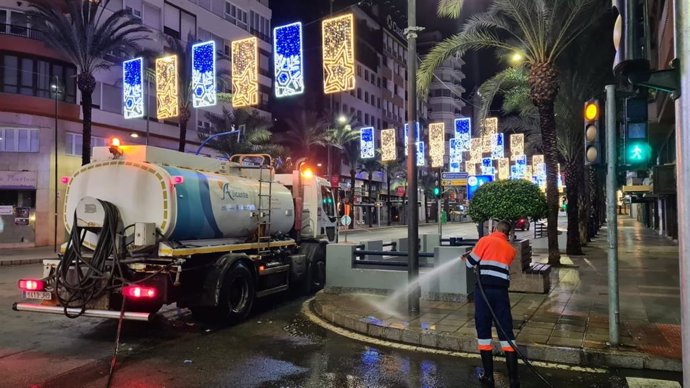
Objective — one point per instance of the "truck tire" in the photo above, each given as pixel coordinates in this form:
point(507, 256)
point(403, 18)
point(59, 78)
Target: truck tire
point(316, 277)
point(237, 294)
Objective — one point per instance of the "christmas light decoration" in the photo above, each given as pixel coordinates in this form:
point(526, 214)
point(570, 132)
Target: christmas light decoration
point(503, 168)
point(476, 150)
point(388, 146)
point(133, 88)
point(437, 143)
point(497, 147)
point(245, 72)
point(470, 167)
point(366, 143)
point(416, 135)
point(288, 68)
point(487, 166)
point(338, 46)
point(528, 173)
point(517, 145)
point(520, 166)
point(455, 155)
point(489, 129)
point(463, 132)
point(166, 87)
point(204, 74)
point(421, 160)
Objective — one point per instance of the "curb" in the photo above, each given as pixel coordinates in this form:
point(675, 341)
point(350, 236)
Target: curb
point(4, 263)
point(447, 342)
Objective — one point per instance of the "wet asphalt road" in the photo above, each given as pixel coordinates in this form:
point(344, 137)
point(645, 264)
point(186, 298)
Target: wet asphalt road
point(276, 347)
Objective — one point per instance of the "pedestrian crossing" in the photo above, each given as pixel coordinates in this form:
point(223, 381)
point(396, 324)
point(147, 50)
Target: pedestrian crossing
point(638, 382)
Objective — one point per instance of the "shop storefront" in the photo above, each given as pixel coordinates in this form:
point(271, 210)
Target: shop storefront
point(17, 208)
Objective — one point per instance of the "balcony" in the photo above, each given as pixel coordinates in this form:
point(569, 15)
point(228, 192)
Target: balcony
point(20, 31)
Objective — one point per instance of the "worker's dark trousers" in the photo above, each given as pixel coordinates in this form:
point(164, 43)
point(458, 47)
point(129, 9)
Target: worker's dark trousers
point(498, 299)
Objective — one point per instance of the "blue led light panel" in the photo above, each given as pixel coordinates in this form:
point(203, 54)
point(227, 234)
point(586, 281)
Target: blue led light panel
point(421, 160)
point(455, 156)
point(416, 135)
point(366, 143)
point(288, 68)
point(497, 147)
point(204, 74)
point(133, 88)
point(463, 132)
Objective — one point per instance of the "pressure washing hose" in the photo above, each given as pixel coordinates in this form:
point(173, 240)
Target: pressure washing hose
point(503, 332)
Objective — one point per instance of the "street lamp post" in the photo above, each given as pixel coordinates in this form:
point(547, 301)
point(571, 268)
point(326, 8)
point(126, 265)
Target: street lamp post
point(56, 91)
point(413, 215)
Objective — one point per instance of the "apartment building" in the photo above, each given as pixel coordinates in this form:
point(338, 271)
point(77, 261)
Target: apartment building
point(31, 113)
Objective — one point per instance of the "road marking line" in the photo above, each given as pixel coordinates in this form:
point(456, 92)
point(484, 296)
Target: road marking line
point(306, 310)
point(637, 382)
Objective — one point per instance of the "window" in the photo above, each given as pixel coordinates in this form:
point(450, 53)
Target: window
point(378, 102)
point(366, 118)
point(203, 126)
point(74, 143)
point(359, 70)
point(236, 15)
point(359, 93)
point(366, 97)
point(18, 140)
point(366, 75)
point(33, 77)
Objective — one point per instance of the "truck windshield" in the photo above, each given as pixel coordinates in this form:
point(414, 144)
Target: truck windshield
point(327, 201)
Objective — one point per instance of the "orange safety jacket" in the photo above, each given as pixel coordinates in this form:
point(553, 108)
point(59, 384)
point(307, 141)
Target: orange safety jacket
point(494, 255)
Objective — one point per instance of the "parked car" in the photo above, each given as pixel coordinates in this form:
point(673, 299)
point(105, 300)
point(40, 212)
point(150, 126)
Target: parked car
point(522, 224)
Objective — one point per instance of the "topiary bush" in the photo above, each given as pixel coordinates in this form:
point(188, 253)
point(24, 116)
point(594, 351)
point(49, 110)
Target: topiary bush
point(509, 201)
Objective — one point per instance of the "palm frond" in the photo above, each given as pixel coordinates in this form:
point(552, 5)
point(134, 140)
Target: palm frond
point(449, 8)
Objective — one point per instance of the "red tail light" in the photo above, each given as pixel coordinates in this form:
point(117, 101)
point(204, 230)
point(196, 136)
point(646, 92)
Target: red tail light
point(177, 179)
point(31, 285)
point(139, 292)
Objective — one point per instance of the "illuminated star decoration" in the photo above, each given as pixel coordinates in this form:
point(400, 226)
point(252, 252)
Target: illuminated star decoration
point(338, 45)
point(437, 143)
point(476, 150)
point(366, 143)
point(470, 168)
point(487, 166)
point(463, 132)
point(388, 147)
point(503, 168)
point(517, 145)
point(245, 72)
point(204, 74)
point(288, 71)
point(489, 129)
point(166, 87)
point(416, 135)
point(133, 88)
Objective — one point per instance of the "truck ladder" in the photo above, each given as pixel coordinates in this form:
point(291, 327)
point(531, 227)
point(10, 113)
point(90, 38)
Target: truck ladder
point(264, 209)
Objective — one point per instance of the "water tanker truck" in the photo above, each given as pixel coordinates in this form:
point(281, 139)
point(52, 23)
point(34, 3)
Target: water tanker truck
point(149, 227)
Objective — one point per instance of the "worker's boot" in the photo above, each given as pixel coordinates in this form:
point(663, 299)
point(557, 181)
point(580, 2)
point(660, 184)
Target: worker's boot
point(487, 377)
point(512, 363)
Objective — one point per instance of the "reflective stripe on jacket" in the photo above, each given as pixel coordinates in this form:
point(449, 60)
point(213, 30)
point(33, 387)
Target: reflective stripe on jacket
point(494, 254)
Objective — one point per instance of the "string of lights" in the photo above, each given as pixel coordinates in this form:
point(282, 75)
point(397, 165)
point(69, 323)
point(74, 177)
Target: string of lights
point(388, 145)
point(245, 72)
point(133, 88)
point(366, 138)
point(437, 133)
point(166, 87)
point(204, 74)
point(338, 49)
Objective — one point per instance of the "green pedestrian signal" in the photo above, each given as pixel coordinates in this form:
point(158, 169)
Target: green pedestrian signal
point(437, 192)
point(637, 152)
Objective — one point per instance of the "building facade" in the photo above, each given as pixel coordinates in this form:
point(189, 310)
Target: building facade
point(39, 102)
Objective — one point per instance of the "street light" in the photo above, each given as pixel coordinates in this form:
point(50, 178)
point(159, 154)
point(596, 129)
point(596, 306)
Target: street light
point(342, 119)
point(517, 57)
point(55, 87)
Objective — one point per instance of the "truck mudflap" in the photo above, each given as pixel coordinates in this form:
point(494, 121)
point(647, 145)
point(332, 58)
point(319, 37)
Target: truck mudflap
point(39, 308)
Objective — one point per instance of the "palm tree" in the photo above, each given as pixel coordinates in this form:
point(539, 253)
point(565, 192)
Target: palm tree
point(255, 138)
point(345, 140)
point(370, 166)
point(307, 129)
point(540, 30)
point(392, 167)
point(86, 36)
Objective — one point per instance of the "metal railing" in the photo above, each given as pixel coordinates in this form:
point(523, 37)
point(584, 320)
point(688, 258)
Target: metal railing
point(21, 31)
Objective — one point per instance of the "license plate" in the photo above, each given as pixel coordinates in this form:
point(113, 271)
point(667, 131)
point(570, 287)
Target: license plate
point(44, 295)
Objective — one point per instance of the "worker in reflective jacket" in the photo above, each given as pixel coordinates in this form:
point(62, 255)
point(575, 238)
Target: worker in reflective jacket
point(492, 257)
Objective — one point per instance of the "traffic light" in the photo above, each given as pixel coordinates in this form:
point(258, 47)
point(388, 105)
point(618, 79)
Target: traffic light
point(437, 192)
point(592, 133)
point(629, 37)
point(637, 149)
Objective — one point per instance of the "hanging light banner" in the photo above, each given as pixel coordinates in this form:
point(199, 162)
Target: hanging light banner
point(288, 68)
point(517, 145)
point(416, 135)
point(166, 87)
point(366, 143)
point(388, 147)
point(497, 147)
point(437, 143)
point(487, 166)
point(421, 160)
point(528, 173)
point(133, 88)
point(503, 168)
point(338, 46)
point(455, 155)
point(463, 132)
point(470, 168)
point(538, 166)
point(204, 74)
point(245, 72)
point(476, 150)
point(559, 182)
point(520, 167)
point(489, 129)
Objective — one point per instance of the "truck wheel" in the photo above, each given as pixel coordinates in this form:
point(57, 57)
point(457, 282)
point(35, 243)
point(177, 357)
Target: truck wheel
point(237, 294)
point(316, 277)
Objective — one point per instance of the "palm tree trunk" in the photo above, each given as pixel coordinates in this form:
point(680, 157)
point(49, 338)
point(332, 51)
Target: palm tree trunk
point(86, 84)
point(352, 198)
point(548, 134)
point(388, 196)
point(370, 211)
point(583, 209)
point(573, 180)
point(185, 114)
